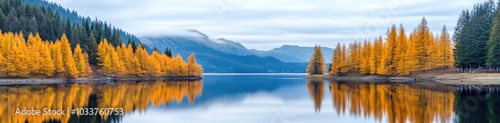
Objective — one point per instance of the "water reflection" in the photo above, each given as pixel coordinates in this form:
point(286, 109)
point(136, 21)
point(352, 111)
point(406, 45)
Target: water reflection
point(316, 89)
point(477, 105)
point(394, 102)
point(131, 96)
point(252, 99)
point(401, 103)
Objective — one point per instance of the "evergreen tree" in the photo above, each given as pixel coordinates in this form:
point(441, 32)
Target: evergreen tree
point(92, 46)
point(481, 19)
point(74, 36)
point(472, 35)
point(168, 52)
point(461, 37)
point(493, 45)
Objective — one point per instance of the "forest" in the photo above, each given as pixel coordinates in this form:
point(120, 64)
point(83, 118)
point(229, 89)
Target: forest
point(396, 54)
point(35, 57)
point(477, 38)
point(475, 48)
point(56, 42)
point(123, 61)
point(51, 21)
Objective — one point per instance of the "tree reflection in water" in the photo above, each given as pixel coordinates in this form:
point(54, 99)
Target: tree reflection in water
point(474, 105)
point(131, 96)
point(400, 103)
point(316, 89)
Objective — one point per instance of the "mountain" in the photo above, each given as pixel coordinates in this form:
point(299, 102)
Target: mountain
point(210, 54)
point(221, 44)
point(293, 53)
point(222, 55)
point(230, 47)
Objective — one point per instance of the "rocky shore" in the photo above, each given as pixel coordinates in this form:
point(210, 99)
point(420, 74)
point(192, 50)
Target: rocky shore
point(16, 81)
point(452, 79)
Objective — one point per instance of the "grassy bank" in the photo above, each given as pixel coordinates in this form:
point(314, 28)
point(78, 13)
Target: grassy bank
point(467, 79)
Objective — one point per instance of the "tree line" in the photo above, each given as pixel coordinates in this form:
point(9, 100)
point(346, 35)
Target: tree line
point(397, 54)
point(122, 61)
point(35, 57)
point(477, 38)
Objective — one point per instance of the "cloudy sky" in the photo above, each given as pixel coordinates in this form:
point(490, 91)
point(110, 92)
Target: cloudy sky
point(266, 24)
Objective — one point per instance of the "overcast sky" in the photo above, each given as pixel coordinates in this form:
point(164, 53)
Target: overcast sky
point(266, 24)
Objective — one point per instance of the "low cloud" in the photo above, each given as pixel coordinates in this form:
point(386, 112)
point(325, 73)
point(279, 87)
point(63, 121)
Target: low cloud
point(264, 24)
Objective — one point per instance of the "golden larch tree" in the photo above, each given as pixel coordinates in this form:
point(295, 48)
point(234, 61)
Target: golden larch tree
point(142, 58)
point(57, 58)
point(180, 66)
point(104, 57)
point(47, 65)
point(445, 52)
point(317, 63)
point(387, 64)
point(376, 55)
point(421, 43)
point(344, 59)
point(401, 58)
point(365, 58)
point(70, 70)
point(80, 61)
point(334, 67)
point(194, 69)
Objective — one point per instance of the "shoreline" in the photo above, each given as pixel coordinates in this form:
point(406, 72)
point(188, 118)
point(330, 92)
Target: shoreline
point(455, 79)
point(35, 81)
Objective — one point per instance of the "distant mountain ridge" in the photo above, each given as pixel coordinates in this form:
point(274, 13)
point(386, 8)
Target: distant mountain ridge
point(222, 55)
point(208, 54)
point(285, 53)
point(294, 53)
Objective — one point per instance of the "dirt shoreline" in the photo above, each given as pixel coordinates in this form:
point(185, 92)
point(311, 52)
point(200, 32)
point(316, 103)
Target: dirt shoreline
point(27, 81)
point(449, 79)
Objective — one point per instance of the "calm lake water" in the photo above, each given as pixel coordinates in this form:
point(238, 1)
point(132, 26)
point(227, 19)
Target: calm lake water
point(256, 98)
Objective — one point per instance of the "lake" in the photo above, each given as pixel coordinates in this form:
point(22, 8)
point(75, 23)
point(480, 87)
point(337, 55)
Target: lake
point(255, 98)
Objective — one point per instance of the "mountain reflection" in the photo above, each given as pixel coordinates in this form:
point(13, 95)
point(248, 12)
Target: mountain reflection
point(131, 96)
